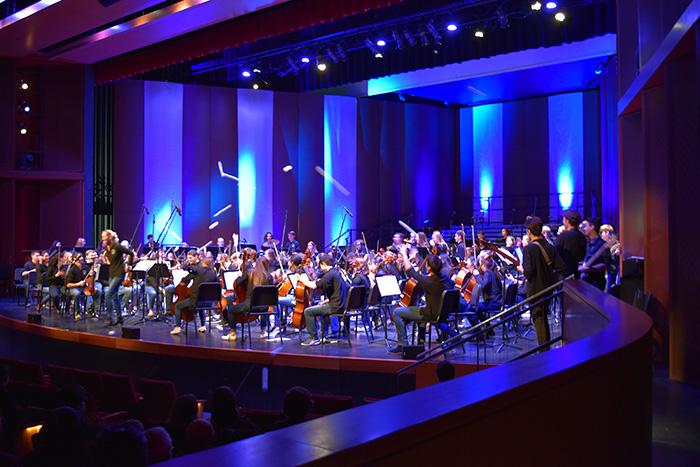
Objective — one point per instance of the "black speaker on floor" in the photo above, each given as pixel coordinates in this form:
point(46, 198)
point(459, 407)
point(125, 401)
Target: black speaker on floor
point(410, 352)
point(34, 318)
point(129, 332)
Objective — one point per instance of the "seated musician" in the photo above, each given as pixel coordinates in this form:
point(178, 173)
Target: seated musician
point(334, 288)
point(91, 263)
point(396, 242)
point(438, 242)
point(75, 283)
point(295, 263)
point(30, 267)
point(55, 275)
point(251, 278)
point(190, 265)
point(204, 272)
point(433, 285)
point(490, 288)
point(291, 245)
point(268, 241)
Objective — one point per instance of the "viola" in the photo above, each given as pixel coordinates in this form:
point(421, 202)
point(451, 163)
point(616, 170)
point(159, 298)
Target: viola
point(89, 289)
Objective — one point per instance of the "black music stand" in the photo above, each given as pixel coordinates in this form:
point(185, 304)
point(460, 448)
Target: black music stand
point(159, 272)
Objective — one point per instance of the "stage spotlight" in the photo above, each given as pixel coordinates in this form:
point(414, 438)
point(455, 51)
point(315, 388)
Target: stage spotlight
point(256, 70)
point(256, 86)
point(26, 109)
point(536, 6)
point(551, 5)
point(381, 43)
point(452, 27)
point(305, 60)
point(479, 33)
point(560, 16)
point(378, 55)
point(321, 66)
point(22, 131)
point(246, 74)
point(23, 85)
point(287, 168)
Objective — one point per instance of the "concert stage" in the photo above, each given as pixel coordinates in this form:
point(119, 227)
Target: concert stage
point(198, 362)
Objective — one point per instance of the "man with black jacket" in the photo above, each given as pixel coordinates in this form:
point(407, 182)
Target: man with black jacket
point(433, 285)
point(571, 243)
point(541, 266)
point(334, 288)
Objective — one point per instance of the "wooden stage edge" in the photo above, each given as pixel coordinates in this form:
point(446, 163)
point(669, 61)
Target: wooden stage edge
point(250, 356)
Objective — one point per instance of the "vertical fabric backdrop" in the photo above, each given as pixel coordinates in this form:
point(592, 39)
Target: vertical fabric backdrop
point(310, 156)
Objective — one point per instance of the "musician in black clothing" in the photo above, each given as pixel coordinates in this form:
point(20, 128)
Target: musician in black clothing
point(571, 243)
point(597, 258)
point(433, 285)
point(55, 275)
point(490, 288)
point(291, 245)
point(334, 288)
point(75, 281)
point(541, 267)
point(115, 252)
point(204, 272)
point(29, 268)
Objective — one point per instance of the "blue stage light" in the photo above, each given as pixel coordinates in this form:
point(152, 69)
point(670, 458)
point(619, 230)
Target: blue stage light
point(246, 74)
point(451, 27)
point(381, 43)
point(305, 60)
point(551, 5)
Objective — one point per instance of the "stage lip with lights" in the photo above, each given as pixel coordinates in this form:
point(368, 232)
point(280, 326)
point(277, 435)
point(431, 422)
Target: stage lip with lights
point(277, 356)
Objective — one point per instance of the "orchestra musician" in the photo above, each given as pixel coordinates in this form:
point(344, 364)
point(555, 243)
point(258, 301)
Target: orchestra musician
point(607, 233)
point(203, 272)
point(151, 244)
point(396, 242)
point(268, 241)
point(459, 247)
point(251, 278)
point(75, 282)
point(571, 243)
point(115, 253)
point(597, 258)
point(541, 265)
point(190, 265)
point(291, 245)
point(334, 288)
point(92, 264)
point(32, 266)
point(438, 242)
point(55, 277)
point(433, 285)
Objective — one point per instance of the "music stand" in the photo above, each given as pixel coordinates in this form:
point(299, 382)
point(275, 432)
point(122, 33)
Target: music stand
point(388, 287)
point(139, 271)
point(159, 271)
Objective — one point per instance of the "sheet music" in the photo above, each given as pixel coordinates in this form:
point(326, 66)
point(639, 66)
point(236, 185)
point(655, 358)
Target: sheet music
point(388, 285)
point(230, 277)
point(503, 258)
point(144, 265)
point(178, 275)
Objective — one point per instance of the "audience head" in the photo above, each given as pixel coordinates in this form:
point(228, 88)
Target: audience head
point(297, 403)
point(159, 445)
point(121, 447)
point(74, 396)
point(445, 371)
point(199, 436)
point(184, 410)
point(222, 404)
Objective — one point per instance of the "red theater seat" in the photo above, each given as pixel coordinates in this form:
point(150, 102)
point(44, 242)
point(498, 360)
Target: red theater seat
point(158, 399)
point(118, 393)
point(26, 372)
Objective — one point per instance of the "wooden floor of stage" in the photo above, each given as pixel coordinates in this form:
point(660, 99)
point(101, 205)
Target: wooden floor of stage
point(156, 338)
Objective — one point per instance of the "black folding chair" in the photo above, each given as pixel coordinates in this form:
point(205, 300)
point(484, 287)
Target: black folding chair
point(356, 307)
point(449, 303)
point(356, 298)
point(208, 299)
point(264, 297)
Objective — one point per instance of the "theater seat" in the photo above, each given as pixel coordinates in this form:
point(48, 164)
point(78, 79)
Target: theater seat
point(118, 393)
point(26, 372)
point(158, 399)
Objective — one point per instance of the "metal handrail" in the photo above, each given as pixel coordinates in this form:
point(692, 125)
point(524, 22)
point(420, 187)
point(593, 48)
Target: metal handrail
point(483, 327)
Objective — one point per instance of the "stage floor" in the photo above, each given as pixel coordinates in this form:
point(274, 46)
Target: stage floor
point(156, 338)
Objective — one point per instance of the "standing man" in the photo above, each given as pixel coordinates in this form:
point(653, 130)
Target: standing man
point(541, 266)
point(571, 243)
point(115, 252)
point(433, 285)
point(597, 256)
point(334, 288)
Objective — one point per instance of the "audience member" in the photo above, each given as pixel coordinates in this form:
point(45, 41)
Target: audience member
point(184, 411)
point(159, 445)
point(445, 371)
point(227, 422)
point(120, 448)
point(199, 436)
point(297, 404)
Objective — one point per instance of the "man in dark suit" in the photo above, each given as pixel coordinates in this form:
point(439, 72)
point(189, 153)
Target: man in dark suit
point(541, 266)
point(571, 244)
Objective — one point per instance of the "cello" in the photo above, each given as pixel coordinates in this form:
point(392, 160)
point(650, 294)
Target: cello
point(301, 296)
